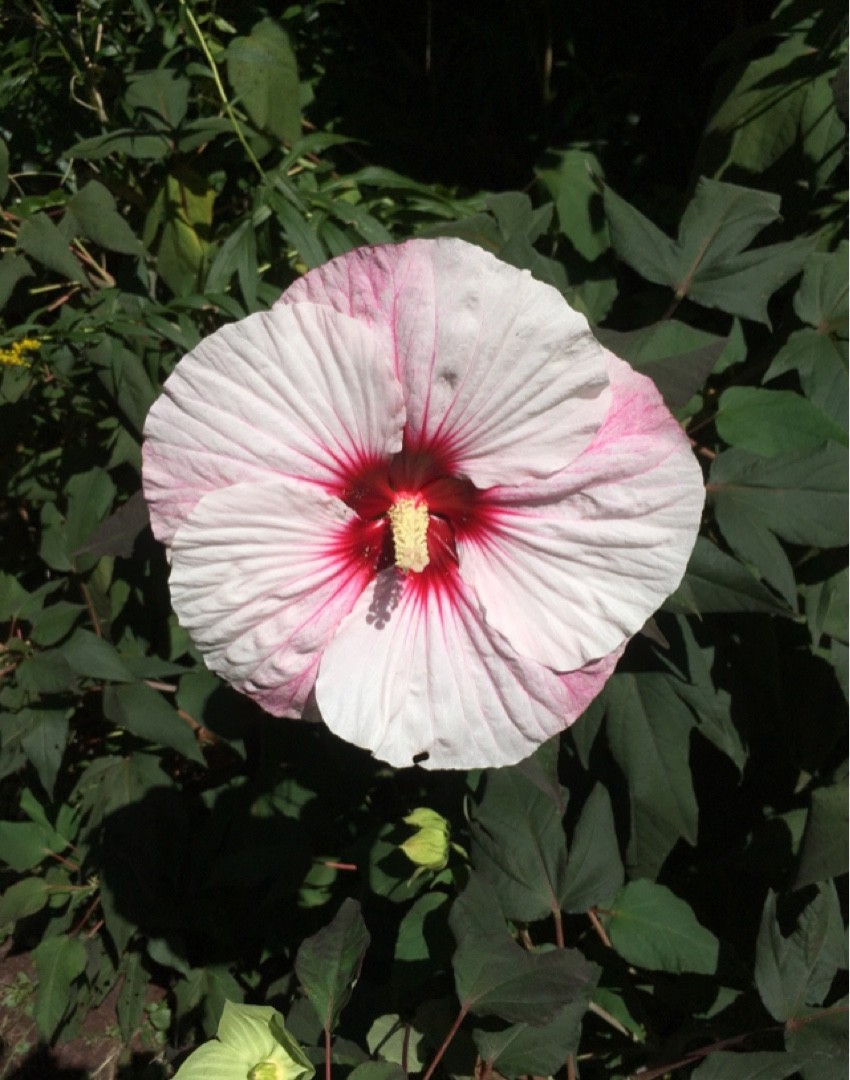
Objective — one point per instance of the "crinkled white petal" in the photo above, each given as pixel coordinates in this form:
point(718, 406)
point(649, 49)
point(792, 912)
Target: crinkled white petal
point(576, 564)
point(496, 367)
point(411, 673)
point(302, 392)
point(258, 581)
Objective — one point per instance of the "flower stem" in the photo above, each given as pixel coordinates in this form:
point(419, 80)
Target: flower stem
point(453, 1030)
point(222, 93)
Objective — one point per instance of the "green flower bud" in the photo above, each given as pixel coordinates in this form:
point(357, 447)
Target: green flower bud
point(428, 848)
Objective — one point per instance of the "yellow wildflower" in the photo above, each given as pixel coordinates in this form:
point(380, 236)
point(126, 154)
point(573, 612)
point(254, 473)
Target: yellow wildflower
point(16, 354)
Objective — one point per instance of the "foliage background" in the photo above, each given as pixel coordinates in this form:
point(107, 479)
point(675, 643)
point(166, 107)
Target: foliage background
point(665, 889)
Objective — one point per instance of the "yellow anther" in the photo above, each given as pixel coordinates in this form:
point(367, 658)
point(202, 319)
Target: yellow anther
point(409, 521)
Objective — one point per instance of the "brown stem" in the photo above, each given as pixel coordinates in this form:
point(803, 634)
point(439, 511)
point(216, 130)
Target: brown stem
point(559, 927)
point(90, 607)
point(405, 1048)
point(599, 928)
point(328, 1051)
point(453, 1030)
point(689, 1059)
point(571, 1067)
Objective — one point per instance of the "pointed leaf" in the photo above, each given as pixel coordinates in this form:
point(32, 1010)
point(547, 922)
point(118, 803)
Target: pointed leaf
point(264, 73)
point(328, 963)
point(146, 713)
point(648, 727)
point(519, 845)
point(796, 971)
point(823, 851)
point(43, 241)
point(58, 962)
point(651, 927)
point(715, 581)
point(773, 422)
point(594, 870)
point(495, 977)
point(526, 1050)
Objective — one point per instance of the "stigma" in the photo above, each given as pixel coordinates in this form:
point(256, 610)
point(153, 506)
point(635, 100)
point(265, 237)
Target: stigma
point(409, 522)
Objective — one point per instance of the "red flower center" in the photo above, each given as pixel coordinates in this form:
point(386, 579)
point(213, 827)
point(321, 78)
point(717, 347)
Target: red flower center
point(378, 488)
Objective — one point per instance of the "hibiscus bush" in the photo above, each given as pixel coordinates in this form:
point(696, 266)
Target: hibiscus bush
point(659, 889)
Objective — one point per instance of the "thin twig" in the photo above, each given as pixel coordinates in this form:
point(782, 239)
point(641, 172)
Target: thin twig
point(599, 928)
point(222, 93)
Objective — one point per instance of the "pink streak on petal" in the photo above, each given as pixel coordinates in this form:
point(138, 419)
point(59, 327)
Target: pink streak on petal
point(416, 670)
point(572, 566)
point(261, 578)
point(499, 373)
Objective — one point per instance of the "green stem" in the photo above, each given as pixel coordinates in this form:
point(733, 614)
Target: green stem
point(222, 93)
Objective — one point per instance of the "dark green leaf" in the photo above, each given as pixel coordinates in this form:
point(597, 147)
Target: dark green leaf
point(264, 73)
point(676, 357)
point(594, 870)
point(44, 743)
point(821, 300)
point(117, 535)
point(90, 496)
point(773, 422)
point(823, 852)
point(131, 997)
point(796, 971)
point(818, 1042)
point(800, 497)
point(110, 783)
point(572, 185)
point(423, 945)
point(43, 241)
point(715, 581)
point(124, 376)
point(820, 361)
point(526, 1050)
point(648, 727)
point(764, 1065)
point(12, 269)
point(495, 977)
point(160, 97)
point(24, 844)
point(123, 141)
point(147, 714)
point(652, 928)
point(94, 210)
point(24, 898)
point(377, 1070)
point(519, 845)
point(827, 608)
point(94, 657)
point(328, 963)
point(707, 262)
point(59, 961)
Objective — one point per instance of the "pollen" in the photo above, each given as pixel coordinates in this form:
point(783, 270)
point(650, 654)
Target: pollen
point(409, 521)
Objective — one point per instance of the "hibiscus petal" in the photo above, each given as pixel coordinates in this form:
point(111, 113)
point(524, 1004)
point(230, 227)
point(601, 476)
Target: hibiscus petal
point(260, 579)
point(574, 565)
point(500, 374)
point(416, 671)
point(301, 392)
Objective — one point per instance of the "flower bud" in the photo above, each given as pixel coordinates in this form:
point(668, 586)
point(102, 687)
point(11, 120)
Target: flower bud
point(428, 848)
